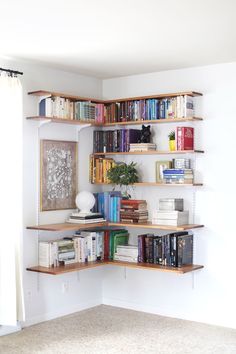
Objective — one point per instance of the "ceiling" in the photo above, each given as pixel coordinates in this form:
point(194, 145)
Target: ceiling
point(106, 38)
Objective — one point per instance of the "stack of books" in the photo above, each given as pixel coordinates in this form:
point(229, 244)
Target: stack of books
point(175, 249)
point(176, 175)
point(108, 204)
point(126, 253)
point(170, 218)
point(142, 147)
point(133, 211)
point(98, 167)
point(80, 218)
point(170, 213)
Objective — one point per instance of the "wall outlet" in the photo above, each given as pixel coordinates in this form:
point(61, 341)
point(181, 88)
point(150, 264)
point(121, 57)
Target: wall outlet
point(65, 287)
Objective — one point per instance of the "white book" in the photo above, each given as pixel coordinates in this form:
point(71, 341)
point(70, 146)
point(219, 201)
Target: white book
point(89, 221)
point(44, 254)
point(125, 258)
point(174, 214)
point(169, 222)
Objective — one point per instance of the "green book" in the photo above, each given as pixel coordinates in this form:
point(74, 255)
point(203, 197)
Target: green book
point(117, 237)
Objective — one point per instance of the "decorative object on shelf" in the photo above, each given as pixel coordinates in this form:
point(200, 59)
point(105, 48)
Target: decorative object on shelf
point(58, 175)
point(171, 137)
point(123, 175)
point(85, 202)
point(160, 167)
point(145, 134)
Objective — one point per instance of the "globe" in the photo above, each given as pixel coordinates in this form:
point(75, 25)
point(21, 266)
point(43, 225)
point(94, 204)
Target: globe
point(84, 202)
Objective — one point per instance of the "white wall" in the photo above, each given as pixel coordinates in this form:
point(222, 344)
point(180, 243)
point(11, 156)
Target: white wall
point(44, 298)
point(209, 294)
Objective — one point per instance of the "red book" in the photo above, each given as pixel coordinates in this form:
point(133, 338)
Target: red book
point(106, 244)
point(132, 201)
point(185, 138)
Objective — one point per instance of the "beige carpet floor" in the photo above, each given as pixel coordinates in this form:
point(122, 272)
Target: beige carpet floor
point(106, 329)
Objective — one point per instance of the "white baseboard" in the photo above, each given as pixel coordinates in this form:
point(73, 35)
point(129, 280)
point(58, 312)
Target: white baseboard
point(4, 330)
point(60, 313)
point(165, 312)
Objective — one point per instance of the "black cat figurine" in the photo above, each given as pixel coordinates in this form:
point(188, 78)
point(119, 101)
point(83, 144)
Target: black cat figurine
point(145, 136)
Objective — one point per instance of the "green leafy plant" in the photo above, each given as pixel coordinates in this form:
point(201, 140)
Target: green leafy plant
point(123, 175)
point(171, 135)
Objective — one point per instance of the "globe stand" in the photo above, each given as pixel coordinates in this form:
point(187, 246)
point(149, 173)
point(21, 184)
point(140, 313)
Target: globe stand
point(85, 202)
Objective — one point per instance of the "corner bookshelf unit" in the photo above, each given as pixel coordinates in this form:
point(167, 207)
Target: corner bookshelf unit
point(72, 227)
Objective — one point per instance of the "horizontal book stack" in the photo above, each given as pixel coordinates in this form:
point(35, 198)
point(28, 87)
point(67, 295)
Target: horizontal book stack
point(80, 218)
point(175, 249)
point(173, 175)
point(142, 147)
point(126, 253)
point(170, 218)
point(149, 109)
point(184, 138)
point(118, 140)
point(171, 213)
point(133, 211)
point(98, 167)
point(108, 204)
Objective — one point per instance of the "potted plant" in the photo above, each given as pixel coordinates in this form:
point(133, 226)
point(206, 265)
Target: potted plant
point(123, 175)
point(171, 137)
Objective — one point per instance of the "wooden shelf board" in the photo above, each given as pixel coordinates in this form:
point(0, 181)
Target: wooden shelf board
point(153, 184)
point(82, 266)
point(67, 268)
point(65, 121)
point(149, 225)
point(79, 98)
point(182, 270)
point(66, 226)
point(162, 95)
point(155, 152)
point(72, 227)
point(65, 95)
point(155, 121)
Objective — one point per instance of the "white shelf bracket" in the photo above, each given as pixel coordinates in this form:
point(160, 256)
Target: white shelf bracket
point(125, 273)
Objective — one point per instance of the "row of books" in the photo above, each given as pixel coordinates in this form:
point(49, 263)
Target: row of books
point(133, 211)
point(98, 167)
point(82, 247)
point(108, 204)
point(64, 108)
point(175, 249)
point(149, 109)
point(173, 175)
point(117, 140)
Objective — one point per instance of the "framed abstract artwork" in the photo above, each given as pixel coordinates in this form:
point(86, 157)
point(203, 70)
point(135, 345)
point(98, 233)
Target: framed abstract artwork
point(58, 182)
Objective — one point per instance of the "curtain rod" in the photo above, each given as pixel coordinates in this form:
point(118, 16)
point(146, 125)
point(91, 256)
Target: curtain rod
point(12, 71)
